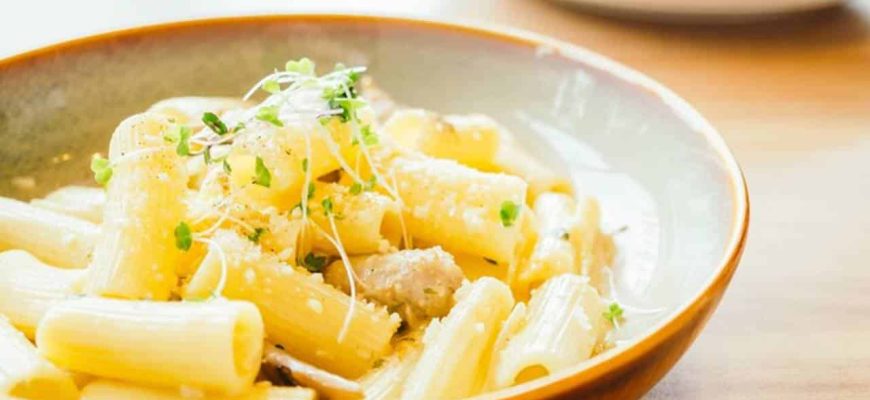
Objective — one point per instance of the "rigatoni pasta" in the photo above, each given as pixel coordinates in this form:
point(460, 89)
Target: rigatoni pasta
point(561, 327)
point(212, 346)
point(76, 201)
point(24, 374)
point(55, 238)
point(28, 288)
point(288, 245)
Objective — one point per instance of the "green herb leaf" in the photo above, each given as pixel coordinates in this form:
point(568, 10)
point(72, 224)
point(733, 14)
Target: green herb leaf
point(313, 263)
point(509, 213)
point(356, 188)
point(613, 313)
point(183, 236)
point(305, 165)
point(262, 175)
point(213, 122)
point(102, 170)
point(271, 86)
point(255, 236)
point(183, 148)
point(369, 137)
point(310, 190)
point(302, 66)
point(227, 168)
point(238, 127)
point(327, 206)
point(270, 115)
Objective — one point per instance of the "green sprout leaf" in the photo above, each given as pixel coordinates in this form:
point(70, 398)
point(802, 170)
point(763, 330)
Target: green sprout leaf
point(183, 236)
point(614, 313)
point(356, 188)
point(302, 66)
point(262, 175)
point(305, 165)
point(327, 206)
point(255, 236)
point(509, 213)
point(213, 122)
point(369, 137)
point(269, 114)
point(272, 86)
point(102, 170)
point(227, 167)
point(310, 190)
point(313, 263)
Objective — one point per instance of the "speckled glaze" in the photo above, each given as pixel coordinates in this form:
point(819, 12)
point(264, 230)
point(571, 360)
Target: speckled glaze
point(665, 179)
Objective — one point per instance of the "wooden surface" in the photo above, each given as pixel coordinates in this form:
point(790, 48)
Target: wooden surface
point(792, 98)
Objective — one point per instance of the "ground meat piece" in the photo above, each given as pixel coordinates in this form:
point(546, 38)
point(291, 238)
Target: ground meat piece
point(417, 284)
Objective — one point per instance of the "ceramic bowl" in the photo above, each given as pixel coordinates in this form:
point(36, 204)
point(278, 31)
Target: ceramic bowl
point(670, 189)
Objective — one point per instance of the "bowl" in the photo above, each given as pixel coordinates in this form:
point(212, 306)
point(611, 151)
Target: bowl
point(670, 190)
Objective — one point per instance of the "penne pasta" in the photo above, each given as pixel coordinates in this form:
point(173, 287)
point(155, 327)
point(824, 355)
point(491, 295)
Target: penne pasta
point(189, 110)
point(28, 288)
point(367, 222)
point(136, 257)
point(212, 346)
point(55, 238)
point(554, 252)
point(300, 311)
point(24, 374)
point(462, 209)
point(105, 389)
point(561, 327)
point(456, 349)
point(386, 381)
point(76, 201)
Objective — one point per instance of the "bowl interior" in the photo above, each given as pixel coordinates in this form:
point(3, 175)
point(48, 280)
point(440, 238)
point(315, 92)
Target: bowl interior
point(663, 185)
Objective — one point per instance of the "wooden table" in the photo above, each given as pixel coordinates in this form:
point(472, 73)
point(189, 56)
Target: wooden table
point(792, 98)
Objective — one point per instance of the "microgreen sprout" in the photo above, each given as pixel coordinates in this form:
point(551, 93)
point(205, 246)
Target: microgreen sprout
point(508, 213)
point(262, 176)
point(213, 122)
point(183, 236)
point(102, 169)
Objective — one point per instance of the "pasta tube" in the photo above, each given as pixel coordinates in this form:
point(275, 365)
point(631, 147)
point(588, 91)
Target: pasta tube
point(105, 389)
point(55, 238)
point(213, 346)
point(28, 288)
point(459, 207)
point(386, 382)
point(136, 256)
point(456, 349)
point(366, 222)
point(300, 311)
point(24, 374)
point(189, 110)
point(76, 201)
point(553, 253)
point(561, 327)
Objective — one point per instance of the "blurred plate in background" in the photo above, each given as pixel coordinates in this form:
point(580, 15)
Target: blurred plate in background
point(703, 10)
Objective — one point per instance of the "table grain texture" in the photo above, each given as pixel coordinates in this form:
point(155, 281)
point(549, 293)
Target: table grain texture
point(792, 98)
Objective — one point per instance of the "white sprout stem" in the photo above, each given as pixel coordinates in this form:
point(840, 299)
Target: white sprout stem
point(336, 152)
point(350, 277)
point(222, 282)
point(304, 198)
point(364, 150)
point(406, 238)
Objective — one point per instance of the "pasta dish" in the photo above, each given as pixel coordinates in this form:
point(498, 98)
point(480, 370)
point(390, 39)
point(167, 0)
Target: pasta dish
point(312, 239)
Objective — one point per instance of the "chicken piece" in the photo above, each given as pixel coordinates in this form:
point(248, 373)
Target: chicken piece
point(417, 284)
